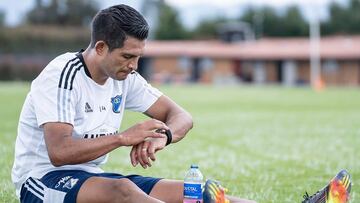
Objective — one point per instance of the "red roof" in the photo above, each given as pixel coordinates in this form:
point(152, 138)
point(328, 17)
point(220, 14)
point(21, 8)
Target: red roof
point(336, 47)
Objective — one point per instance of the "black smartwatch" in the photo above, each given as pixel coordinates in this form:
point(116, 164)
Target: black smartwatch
point(169, 137)
point(167, 133)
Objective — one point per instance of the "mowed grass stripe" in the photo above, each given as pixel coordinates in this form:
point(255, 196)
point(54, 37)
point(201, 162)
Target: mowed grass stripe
point(264, 143)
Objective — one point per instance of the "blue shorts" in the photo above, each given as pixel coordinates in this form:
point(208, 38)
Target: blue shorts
point(64, 185)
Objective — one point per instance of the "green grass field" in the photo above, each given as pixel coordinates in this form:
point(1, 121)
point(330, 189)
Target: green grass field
point(269, 144)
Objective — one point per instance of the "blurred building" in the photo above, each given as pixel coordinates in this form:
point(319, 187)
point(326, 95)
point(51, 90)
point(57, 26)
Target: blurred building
point(266, 61)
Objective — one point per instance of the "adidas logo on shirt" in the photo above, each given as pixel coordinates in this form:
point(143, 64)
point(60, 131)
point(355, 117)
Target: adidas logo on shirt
point(88, 108)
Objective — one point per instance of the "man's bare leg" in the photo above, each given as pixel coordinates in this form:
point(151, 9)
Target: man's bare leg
point(171, 191)
point(98, 189)
point(238, 200)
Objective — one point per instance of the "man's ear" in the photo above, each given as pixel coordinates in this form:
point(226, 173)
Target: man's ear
point(101, 48)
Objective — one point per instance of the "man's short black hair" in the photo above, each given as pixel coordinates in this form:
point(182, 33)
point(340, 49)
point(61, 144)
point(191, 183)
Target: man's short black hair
point(114, 24)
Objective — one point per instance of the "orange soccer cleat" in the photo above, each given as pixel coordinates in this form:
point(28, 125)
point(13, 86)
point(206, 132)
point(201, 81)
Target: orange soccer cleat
point(214, 192)
point(337, 191)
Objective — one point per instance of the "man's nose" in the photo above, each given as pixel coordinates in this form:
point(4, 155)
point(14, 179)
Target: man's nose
point(134, 64)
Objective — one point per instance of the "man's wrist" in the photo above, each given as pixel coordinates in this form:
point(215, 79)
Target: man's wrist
point(168, 135)
point(120, 141)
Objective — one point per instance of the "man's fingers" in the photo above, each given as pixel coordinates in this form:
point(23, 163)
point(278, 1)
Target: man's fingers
point(151, 152)
point(133, 156)
point(144, 154)
point(138, 154)
point(153, 134)
point(161, 125)
point(156, 124)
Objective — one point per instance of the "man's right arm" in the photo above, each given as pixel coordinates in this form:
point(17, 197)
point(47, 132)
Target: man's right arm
point(63, 149)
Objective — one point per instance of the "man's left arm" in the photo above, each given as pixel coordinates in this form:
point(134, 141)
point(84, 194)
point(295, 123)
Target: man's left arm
point(175, 117)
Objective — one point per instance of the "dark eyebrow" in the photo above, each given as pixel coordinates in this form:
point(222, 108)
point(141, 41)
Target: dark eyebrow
point(125, 54)
point(131, 55)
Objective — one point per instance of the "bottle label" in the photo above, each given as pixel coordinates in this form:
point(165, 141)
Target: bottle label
point(192, 191)
point(192, 201)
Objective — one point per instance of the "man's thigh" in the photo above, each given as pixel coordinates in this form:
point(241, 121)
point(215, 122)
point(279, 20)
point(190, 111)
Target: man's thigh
point(100, 189)
point(97, 189)
point(169, 191)
point(111, 187)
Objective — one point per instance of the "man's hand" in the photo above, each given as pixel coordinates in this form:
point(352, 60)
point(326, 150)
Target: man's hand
point(142, 131)
point(143, 152)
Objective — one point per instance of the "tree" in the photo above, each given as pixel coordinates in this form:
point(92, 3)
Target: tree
point(354, 25)
point(207, 29)
point(265, 21)
point(343, 19)
point(80, 12)
point(271, 24)
point(63, 12)
point(169, 25)
point(2, 18)
point(293, 23)
point(255, 18)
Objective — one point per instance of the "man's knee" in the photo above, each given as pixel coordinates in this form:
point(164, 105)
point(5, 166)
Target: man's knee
point(122, 190)
point(108, 190)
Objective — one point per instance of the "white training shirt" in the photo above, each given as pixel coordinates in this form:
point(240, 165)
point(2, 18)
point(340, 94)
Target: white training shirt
point(64, 92)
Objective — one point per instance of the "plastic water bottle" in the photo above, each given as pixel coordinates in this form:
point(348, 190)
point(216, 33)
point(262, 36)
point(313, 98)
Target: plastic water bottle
point(193, 183)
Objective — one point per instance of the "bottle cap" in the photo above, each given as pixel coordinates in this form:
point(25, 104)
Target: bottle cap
point(194, 166)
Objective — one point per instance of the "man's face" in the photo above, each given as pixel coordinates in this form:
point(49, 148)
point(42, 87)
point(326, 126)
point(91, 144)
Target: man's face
point(120, 62)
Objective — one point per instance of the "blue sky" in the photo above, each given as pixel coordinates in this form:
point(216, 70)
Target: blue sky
point(191, 11)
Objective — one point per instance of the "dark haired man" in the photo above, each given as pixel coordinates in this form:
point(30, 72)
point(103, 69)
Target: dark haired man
point(71, 116)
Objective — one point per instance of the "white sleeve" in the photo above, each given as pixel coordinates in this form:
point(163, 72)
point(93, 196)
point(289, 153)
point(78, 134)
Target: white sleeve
point(140, 95)
point(52, 102)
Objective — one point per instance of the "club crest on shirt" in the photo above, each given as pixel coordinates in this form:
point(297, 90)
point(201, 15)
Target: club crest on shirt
point(70, 183)
point(116, 101)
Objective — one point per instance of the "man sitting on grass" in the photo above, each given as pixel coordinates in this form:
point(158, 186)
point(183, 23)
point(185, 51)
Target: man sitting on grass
point(71, 116)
